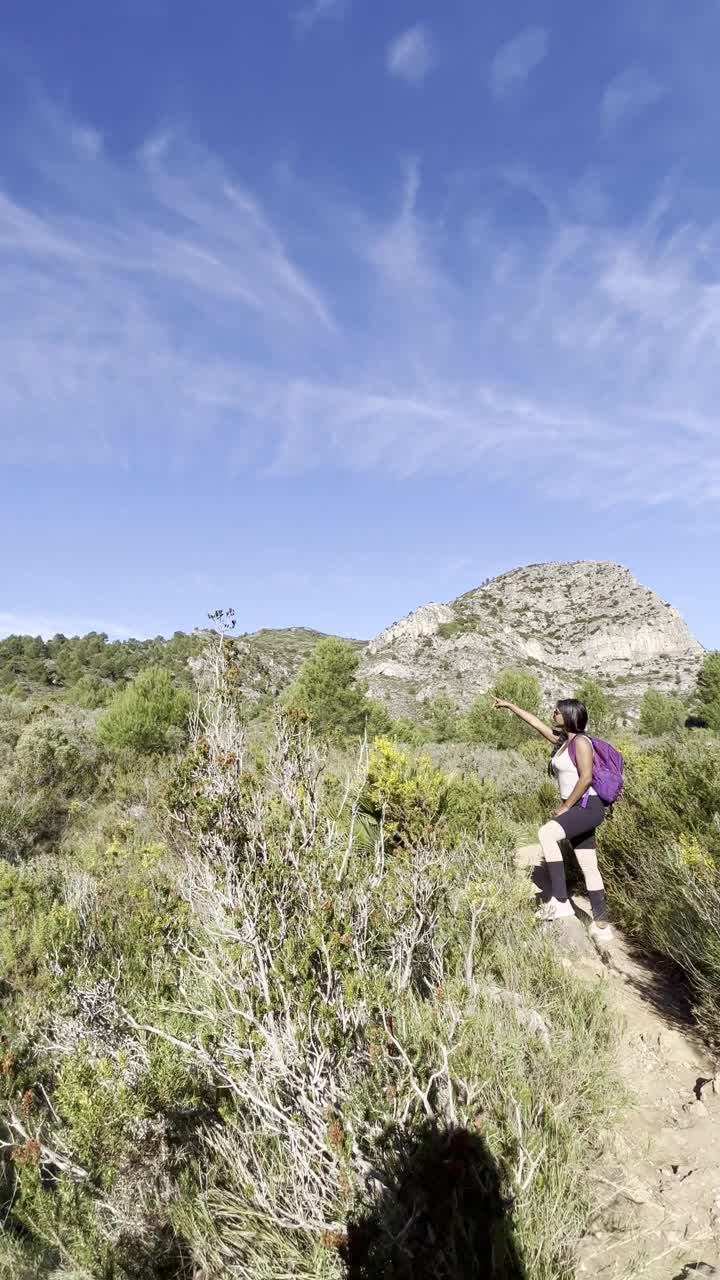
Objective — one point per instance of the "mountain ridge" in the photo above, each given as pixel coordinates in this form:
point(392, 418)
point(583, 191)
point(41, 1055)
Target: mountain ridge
point(561, 620)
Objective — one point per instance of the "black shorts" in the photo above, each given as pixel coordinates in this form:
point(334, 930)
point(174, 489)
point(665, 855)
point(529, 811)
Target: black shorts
point(581, 824)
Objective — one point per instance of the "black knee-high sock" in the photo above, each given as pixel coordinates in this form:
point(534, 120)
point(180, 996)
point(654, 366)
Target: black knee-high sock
point(558, 882)
point(598, 905)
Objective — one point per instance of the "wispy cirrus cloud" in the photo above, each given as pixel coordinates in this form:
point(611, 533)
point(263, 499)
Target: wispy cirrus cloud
point(627, 95)
point(132, 286)
point(315, 11)
point(154, 311)
point(412, 55)
point(514, 61)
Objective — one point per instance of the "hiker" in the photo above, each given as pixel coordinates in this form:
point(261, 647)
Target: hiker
point(577, 818)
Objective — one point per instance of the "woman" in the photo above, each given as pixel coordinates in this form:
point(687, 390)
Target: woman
point(573, 821)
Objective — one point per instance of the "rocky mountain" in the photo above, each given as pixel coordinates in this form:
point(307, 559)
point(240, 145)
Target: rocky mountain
point(561, 621)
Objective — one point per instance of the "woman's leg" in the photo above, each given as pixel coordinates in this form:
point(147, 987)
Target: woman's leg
point(579, 826)
point(586, 854)
point(550, 836)
point(540, 880)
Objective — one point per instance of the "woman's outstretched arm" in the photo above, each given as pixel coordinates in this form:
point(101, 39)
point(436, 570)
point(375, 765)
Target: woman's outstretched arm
point(529, 718)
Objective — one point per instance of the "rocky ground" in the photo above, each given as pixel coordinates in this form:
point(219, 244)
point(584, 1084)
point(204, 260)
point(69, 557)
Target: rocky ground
point(657, 1185)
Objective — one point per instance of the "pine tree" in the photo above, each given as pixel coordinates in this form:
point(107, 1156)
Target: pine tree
point(328, 689)
point(150, 715)
point(484, 724)
point(602, 715)
point(707, 694)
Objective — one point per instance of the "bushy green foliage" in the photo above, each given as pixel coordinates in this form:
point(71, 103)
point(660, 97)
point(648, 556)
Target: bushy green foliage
point(442, 719)
point(481, 725)
point(37, 925)
point(707, 695)
point(389, 941)
point(660, 713)
point(220, 1025)
point(328, 690)
point(87, 940)
point(501, 729)
point(28, 663)
point(660, 854)
point(406, 792)
point(51, 762)
point(14, 715)
point(193, 945)
point(602, 712)
point(20, 829)
point(90, 691)
point(416, 802)
point(411, 732)
point(378, 721)
point(149, 716)
point(55, 753)
point(22, 663)
point(457, 627)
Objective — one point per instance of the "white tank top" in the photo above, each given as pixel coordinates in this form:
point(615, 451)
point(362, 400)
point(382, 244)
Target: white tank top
point(566, 774)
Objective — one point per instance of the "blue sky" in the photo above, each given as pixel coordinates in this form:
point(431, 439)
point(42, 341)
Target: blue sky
point(323, 310)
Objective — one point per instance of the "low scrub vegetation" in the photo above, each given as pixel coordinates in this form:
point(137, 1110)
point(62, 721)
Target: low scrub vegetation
point(266, 1017)
point(273, 998)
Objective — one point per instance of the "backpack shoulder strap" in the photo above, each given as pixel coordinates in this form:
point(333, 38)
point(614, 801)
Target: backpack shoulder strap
point(571, 745)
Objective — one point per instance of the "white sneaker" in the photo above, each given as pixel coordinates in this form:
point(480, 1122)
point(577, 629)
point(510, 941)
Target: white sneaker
point(601, 935)
point(554, 910)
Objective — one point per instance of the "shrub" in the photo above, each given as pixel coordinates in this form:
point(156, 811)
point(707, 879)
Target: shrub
point(602, 712)
point(409, 794)
point(53, 768)
point(378, 719)
point(441, 716)
point(53, 753)
point(38, 929)
point(149, 716)
point(14, 715)
point(660, 713)
point(252, 1052)
point(24, 822)
point(706, 702)
point(406, 951)
point(500, 728)
point(90, 691)
point(457, 627)
point(660, 855)
point(480, 724)
point(410, 732)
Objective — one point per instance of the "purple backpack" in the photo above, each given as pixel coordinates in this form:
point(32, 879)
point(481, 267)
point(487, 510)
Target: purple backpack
point(607, 770)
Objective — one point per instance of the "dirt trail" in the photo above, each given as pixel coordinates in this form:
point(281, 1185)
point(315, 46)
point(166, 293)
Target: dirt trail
point(657, 1186)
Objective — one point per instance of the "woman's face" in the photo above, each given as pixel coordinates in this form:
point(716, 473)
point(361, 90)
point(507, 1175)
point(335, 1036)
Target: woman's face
point(558, 720)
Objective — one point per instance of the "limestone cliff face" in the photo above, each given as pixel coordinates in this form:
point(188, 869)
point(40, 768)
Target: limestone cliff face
point(560, 621)
point(421, 622)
